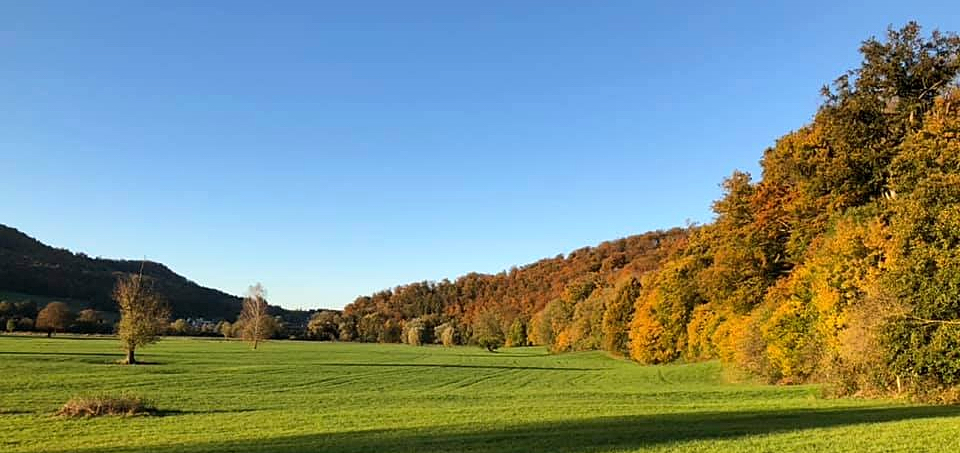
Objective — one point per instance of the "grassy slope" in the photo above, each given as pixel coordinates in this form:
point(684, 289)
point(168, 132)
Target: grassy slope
point(292, 397)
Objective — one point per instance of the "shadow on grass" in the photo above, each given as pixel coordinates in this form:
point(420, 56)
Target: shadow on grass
point(96, 358)
point(449, 365)
point(497, 354)
point(569, 436)
point(175, 412)
point(58, 353)
point(114, 358)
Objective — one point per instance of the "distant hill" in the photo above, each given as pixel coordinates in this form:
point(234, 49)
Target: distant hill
point(29, 266)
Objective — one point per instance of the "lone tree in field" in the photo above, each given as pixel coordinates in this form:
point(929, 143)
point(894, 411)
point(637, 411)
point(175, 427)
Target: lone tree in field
point(54, 317)
point(487, 331)
point(143, 314)
point(255, 324)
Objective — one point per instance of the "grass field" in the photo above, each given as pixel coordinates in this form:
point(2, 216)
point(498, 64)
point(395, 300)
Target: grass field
point(300, 397)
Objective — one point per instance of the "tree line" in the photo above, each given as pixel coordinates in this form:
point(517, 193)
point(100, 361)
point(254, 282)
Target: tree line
point(26, 316)
point(514, 307)
point(841, 264)
point(144, 316)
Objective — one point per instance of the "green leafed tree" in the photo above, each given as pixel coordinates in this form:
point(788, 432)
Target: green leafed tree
point(324, 325)
point(487, 332)
point(143, 314)
point(922, 262)
point(517, 335)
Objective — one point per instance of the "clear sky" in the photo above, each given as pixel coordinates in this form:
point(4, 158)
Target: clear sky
point(331, 149)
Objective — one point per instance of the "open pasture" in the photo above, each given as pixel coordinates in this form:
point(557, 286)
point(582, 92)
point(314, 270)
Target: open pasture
point(214, 395)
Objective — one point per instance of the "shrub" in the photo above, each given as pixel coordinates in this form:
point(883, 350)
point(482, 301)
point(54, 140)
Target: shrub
point(324, 325)
point(487, 331)
point(25, 324)
point(447, 334)
point(180, 327)
point(392, 332)
point(413, 332)
point(95, 406)
point(490, 343)
point(369, 327)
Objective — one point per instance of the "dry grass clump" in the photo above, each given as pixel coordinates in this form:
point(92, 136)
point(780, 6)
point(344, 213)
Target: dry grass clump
point(95, 406)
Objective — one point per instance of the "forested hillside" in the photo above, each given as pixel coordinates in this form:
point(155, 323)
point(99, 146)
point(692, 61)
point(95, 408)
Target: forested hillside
point(509, 302)
point(31, 267)
point(840, 264)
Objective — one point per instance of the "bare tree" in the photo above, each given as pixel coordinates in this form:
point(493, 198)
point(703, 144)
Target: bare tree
point(143, 314)
point(255, 324)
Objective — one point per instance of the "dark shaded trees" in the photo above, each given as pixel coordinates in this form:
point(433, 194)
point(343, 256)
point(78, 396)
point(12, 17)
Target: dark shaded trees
point(55, 317)
point(324, 325)
point(31, 267)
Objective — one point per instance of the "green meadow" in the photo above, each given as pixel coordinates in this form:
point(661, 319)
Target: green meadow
point(215, 395)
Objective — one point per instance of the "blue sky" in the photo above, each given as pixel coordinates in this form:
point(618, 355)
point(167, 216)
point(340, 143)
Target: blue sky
point(331, 149)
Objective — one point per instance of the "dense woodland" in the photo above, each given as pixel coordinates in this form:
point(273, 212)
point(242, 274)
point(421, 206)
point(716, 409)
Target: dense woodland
point(514, 304)
point(840, 264)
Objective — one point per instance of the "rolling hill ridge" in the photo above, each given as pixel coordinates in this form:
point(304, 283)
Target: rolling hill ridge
point(31, 267)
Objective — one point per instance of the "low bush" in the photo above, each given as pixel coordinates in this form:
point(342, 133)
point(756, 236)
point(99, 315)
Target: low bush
point(95, 406)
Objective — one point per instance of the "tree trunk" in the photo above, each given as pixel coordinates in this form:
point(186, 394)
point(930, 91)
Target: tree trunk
point(255, 341)
point(49, 333)
point(131, 360)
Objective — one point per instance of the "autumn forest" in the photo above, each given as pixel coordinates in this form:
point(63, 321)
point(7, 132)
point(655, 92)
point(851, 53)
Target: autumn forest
point(839, 264)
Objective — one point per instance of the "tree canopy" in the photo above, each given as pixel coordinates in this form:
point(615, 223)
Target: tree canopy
point(841, 264)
